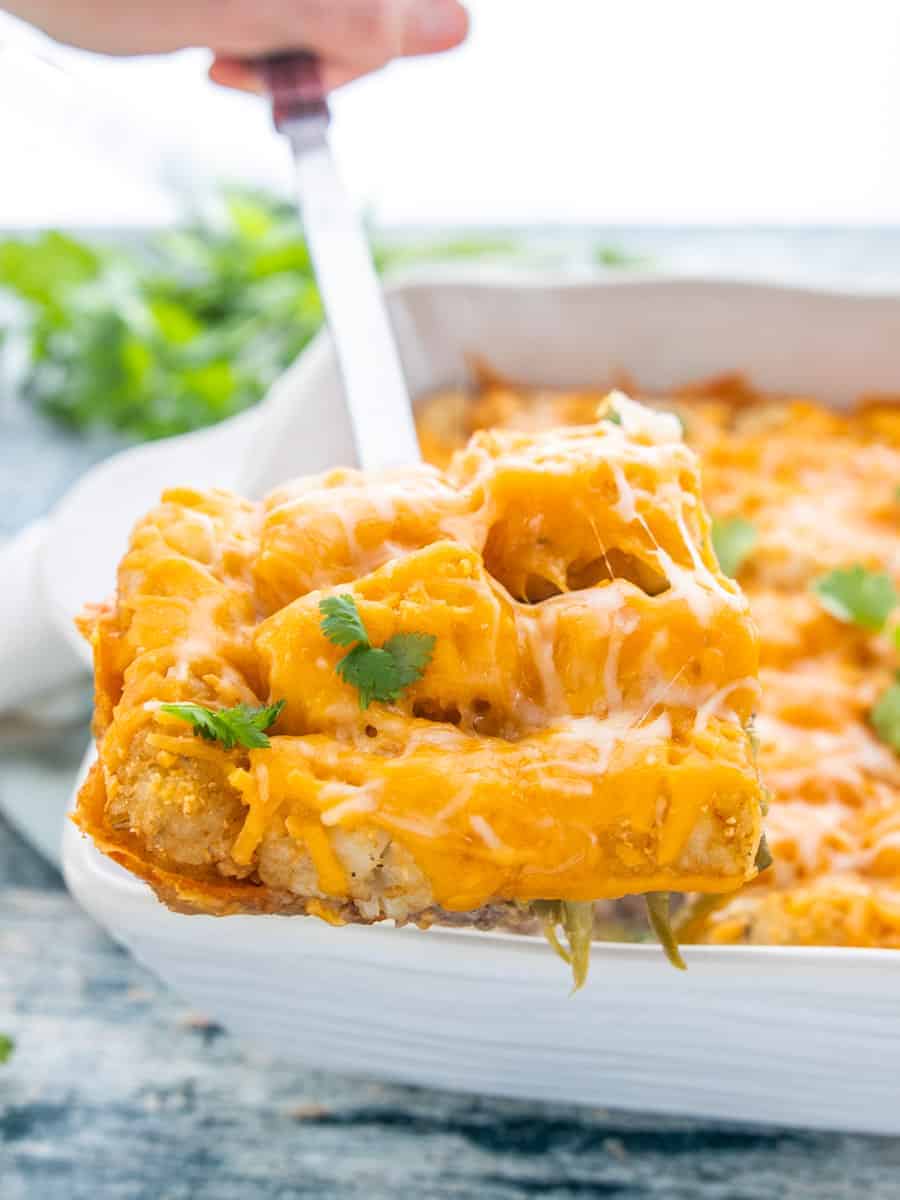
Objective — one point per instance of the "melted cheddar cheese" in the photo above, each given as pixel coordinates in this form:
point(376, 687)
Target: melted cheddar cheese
point(579, 733)
point(820, 488)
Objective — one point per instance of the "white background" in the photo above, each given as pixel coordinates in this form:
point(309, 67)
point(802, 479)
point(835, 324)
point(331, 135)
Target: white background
point(557, 112)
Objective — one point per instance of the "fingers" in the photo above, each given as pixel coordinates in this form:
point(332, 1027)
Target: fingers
point(351, 37)
point(362, 34)
point(378, 30)
point(235, 73)
point(238, 73)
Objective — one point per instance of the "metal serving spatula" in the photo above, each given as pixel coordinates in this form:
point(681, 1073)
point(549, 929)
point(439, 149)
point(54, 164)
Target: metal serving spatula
point(376, 394)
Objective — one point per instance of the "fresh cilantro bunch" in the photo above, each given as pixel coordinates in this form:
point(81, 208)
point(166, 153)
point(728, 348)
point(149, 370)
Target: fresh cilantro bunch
point(181, 329)
point(733, 539)
point(238, 726)
point(165, 335)
point(377, 672)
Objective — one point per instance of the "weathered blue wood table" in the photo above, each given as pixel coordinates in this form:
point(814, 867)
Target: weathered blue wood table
point(116, 1091)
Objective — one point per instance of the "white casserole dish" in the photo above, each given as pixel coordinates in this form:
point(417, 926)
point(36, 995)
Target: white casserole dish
point(794, 1036)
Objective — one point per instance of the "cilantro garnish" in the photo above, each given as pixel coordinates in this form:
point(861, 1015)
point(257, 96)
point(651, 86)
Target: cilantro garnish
point(372, 672)
point(7, 1045)
point(412, 653)
point(241, 725)
point(858, 596)
point(341, 622)
point(885, 716)
point(733, 539)
point(614, 418)
point(377, 672)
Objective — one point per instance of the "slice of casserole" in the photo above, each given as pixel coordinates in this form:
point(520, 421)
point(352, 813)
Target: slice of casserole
point(564, 716)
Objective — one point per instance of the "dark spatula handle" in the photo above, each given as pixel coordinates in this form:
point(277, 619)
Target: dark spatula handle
point(294, 81)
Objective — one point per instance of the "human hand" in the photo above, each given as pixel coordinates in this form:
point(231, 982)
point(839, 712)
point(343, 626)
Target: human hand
point(351, 37)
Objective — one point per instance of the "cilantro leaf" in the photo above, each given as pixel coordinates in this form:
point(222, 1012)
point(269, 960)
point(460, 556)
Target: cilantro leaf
point(7, 1046)
point(374, 673)
point(885, 716)
point(858, 596)
point(614, 417)
point(45, 270)
point(378, 673)
point(341, 623)
point(412, 653)
point(241, 725)
point(733, 539)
